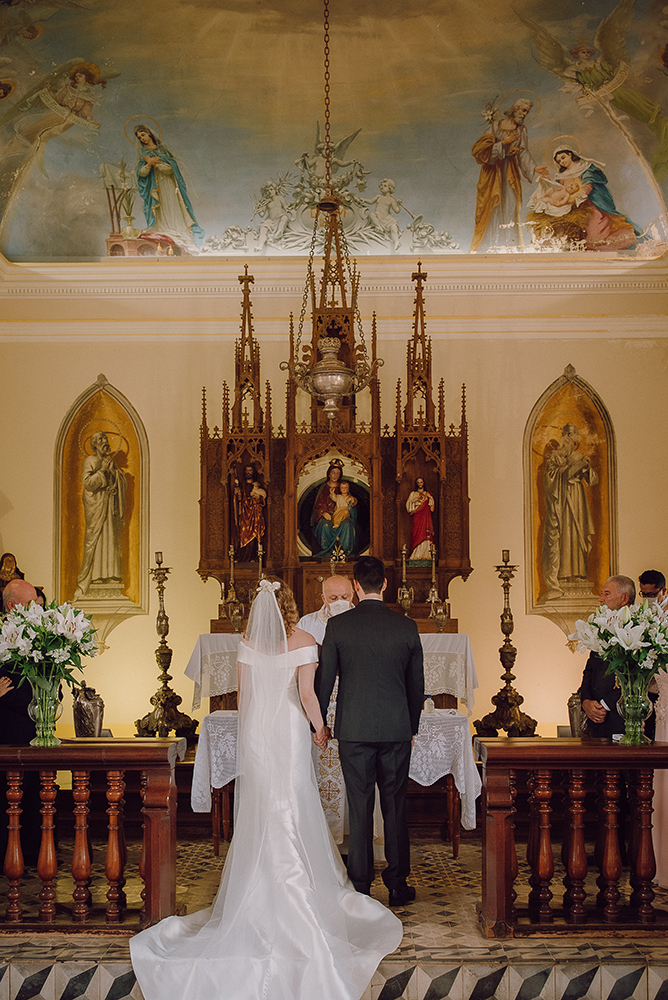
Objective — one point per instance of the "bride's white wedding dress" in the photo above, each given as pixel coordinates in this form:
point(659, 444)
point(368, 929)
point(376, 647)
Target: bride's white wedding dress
point(286, 923)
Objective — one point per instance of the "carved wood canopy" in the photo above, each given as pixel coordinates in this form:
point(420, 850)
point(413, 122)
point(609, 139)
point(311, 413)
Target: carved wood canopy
point(290, 466)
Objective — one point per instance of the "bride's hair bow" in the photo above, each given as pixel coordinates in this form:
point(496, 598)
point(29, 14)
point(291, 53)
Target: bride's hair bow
point(268, 585)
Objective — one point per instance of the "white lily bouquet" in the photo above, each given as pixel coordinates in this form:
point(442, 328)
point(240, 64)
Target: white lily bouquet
point(45, 646)
point(634, 642)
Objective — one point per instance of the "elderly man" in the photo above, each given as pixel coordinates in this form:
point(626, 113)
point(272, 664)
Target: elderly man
point(18, 592)
point(337, 596)
point(598, 694)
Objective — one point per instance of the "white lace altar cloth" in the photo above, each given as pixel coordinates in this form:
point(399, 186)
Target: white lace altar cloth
point(448, 666)
point(443, 746)
point(213, 665)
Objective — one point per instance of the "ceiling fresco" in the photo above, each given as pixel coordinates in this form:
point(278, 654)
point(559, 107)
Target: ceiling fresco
point(195, 127)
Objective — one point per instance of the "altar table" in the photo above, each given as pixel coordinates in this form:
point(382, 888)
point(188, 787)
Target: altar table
point(448, 666)
point(442, 747)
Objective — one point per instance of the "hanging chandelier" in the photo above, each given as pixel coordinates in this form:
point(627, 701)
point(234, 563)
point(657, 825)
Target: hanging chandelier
point(345, 367)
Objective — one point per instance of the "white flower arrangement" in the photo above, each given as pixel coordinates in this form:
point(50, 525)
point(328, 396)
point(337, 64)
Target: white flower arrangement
point(46, 644)
point(633, 640)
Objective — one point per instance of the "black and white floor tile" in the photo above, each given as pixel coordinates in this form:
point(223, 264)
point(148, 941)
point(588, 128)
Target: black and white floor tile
point(443, 955)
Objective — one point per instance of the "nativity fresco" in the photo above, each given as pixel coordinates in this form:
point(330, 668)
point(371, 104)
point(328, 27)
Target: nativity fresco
point(468, 127)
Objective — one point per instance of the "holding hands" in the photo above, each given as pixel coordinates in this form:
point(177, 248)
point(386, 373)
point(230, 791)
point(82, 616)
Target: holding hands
point(321, 737)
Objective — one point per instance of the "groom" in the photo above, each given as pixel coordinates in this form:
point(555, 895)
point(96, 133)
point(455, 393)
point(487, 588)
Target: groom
point(377, 654)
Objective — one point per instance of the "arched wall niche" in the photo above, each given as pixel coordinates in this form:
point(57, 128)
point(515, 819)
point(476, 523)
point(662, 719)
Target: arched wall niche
point(101, 508)
point(570, 501)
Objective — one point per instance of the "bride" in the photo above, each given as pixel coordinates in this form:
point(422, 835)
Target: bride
point(286, 923)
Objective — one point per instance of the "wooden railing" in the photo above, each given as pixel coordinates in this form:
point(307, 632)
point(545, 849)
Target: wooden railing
point(572, 764)
point(155, 759)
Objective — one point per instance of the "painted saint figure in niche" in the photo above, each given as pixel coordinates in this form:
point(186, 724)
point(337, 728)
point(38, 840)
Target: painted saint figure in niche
point(167, 208)
point(250, 499)
point(569, 525)
point(579, 207)
point(334, 517)
point(104, 488)
point(420, 506)
point(504, 158)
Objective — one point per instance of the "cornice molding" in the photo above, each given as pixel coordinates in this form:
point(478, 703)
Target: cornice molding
point(390, 328)
point(218, 277)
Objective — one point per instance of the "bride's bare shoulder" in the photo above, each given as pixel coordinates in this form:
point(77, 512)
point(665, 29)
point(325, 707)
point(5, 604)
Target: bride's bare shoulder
point(299, 638)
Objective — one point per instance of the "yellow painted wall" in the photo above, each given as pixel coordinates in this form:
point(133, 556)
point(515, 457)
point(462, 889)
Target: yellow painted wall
point(159, 332)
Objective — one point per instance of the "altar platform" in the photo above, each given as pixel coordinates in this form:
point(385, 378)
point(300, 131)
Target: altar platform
point(443, 953)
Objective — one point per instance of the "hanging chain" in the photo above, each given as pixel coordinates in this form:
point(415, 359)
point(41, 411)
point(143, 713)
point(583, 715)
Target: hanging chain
point(328, 148)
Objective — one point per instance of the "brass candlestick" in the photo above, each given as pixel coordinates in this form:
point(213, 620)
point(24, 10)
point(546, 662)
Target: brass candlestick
point(260, 550)
point(433, 597)
point(405, 596)
point(231, 593)
point(507, 715)
point(165, 715)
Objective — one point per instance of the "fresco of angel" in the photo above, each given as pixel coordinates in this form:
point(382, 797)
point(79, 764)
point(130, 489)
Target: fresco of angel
point(273, 211)
point(60, 100)
point(313, 167)
point(596, 75)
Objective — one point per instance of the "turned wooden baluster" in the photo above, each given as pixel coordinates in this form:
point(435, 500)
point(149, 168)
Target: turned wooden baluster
point(566, 844)
point(543, 865)
point(122, 898)
point(142, 853)
point(644, 861)
point(532, 840)
point(14, 857)
point(599, 844)
point(113, 867)
point(514, 863)
point(47, 863)
point(611, 864)
point(576, 856)
point(81, 859)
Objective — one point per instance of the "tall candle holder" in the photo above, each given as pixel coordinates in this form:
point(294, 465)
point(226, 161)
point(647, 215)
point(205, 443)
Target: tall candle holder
point(405, 595)
point(507, 715)
point(433, 597)
point(165, 715)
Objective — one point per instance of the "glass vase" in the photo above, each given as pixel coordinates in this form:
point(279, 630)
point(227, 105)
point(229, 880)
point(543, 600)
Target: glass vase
point(634, 707)
point(45, 708)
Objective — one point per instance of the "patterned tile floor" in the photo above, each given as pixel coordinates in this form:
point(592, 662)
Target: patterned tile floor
point(440, 925)
point(443, 954)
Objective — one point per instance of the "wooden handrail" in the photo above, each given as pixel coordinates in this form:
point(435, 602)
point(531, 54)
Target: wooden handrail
point(155, 759)
point(502, 759)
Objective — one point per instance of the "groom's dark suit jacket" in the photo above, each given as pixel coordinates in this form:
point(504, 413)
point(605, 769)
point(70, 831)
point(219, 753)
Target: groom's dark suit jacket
point(377, 654)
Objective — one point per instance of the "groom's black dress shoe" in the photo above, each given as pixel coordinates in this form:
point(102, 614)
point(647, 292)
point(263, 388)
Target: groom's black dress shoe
point(401, 895)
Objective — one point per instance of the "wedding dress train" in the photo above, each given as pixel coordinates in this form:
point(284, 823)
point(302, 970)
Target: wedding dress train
point(286, 923)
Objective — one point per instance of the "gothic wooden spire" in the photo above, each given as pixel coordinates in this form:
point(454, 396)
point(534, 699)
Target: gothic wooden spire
point(419, 403)
point(247, 363)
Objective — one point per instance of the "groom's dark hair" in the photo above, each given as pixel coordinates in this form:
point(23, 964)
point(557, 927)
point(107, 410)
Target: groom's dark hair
point(369, 572)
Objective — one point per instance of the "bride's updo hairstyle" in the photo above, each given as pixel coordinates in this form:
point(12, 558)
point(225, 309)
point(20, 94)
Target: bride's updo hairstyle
point(286, 604)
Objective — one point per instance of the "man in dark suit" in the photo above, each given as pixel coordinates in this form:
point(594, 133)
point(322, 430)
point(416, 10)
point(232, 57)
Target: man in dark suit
point(598, 694)
point(377, 655)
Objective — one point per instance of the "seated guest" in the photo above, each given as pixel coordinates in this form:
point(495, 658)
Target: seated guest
point(337, 596)
point(18, 729)
point(653, 587)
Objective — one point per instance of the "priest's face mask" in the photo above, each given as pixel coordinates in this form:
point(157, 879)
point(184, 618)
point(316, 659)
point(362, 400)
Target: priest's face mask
point(337, 594)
